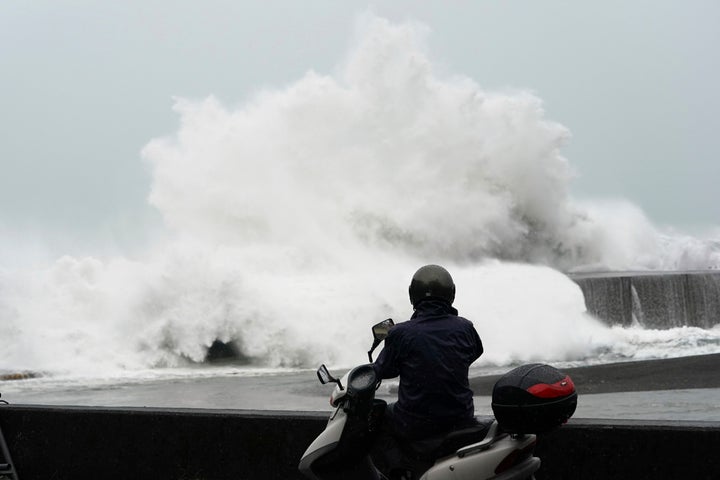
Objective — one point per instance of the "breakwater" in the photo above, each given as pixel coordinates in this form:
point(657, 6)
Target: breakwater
point(654, 300)
point(194, 444)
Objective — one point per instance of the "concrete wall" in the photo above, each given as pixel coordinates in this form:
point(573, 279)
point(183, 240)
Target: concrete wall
point(135, 443)
point(600, 449)
point(655, 299)
point(138, 443)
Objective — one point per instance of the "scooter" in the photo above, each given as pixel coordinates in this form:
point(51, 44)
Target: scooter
point(527, 400)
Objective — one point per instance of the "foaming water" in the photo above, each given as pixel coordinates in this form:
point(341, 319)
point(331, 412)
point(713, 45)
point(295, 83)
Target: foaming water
point(297, 218)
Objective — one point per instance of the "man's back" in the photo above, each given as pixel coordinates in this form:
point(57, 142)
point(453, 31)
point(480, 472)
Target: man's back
point(432, 353)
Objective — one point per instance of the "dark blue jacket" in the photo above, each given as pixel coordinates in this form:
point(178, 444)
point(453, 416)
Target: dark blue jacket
point(432, 353)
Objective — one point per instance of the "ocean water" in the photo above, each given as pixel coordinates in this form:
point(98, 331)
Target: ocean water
point(294, 221)
point(300, 391)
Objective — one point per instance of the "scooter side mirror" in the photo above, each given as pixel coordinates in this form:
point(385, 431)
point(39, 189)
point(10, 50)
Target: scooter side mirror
point(380, 331)
point(324, 376)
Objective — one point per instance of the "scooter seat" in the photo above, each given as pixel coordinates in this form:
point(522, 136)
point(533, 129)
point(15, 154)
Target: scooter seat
point(441, 446)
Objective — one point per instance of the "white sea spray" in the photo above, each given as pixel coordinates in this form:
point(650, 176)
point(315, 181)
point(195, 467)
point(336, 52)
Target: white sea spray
point(297, 218)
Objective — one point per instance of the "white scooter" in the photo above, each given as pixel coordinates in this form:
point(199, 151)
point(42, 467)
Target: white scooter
point(528, 400)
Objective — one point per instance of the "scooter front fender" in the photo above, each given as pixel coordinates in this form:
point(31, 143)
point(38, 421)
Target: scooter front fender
point(326, 442)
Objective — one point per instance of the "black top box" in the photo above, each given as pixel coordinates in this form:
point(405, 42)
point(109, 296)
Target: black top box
point(533, 398)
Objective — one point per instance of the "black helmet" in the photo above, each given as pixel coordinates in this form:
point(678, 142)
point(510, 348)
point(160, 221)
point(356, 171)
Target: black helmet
point(431, 281)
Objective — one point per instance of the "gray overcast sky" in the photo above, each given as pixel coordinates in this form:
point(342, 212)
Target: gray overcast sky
point(85, 85)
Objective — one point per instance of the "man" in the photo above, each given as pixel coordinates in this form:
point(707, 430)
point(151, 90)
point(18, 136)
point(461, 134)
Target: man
point(431, 353)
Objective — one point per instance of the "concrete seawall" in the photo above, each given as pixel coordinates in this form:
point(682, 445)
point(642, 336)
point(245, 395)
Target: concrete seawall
point(193, 444)
point(654, 299)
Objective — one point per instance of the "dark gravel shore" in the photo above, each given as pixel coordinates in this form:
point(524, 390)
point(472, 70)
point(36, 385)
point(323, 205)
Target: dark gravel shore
point(702, 371)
